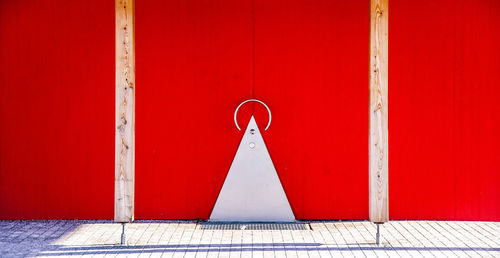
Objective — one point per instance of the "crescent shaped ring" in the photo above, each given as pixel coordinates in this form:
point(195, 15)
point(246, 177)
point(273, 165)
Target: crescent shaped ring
point(252, 100)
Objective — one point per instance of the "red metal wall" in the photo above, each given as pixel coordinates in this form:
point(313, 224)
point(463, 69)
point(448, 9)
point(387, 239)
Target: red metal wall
point(197, 60)
point(56, 109)
point(444, 112)
point(311, 67)
point(193, 67)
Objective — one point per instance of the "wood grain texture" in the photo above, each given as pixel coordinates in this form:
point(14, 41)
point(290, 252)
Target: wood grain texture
point(125, 97)
point(379, 160)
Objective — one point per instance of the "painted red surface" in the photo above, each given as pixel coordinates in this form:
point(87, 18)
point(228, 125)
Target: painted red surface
point(197, 60)
point(56, 109)
point(444, 112)
point(311, 68)
point(193, 67)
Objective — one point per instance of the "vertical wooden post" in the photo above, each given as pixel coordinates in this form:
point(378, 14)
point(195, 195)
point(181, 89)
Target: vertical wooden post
point(124, 110)
point(379, 161)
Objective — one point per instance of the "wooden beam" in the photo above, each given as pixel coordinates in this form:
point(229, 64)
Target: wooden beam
point(379, 158)
point(124, 110)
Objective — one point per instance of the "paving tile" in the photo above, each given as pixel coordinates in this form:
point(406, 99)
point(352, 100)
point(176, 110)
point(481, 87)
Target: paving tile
point(79, 238)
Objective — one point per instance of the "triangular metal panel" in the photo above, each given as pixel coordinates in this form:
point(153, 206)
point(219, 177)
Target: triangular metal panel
point(252, 190)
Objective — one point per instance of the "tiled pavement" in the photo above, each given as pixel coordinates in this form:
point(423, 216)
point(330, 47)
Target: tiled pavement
point(192, 239)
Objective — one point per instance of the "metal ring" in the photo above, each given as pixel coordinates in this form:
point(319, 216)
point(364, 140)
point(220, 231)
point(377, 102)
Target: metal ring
point(252, 100)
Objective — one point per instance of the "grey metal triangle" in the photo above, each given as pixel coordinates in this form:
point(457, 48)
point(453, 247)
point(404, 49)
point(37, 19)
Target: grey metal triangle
point(252, 190)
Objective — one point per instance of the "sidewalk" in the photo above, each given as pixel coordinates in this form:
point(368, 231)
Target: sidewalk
point(192, 239)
